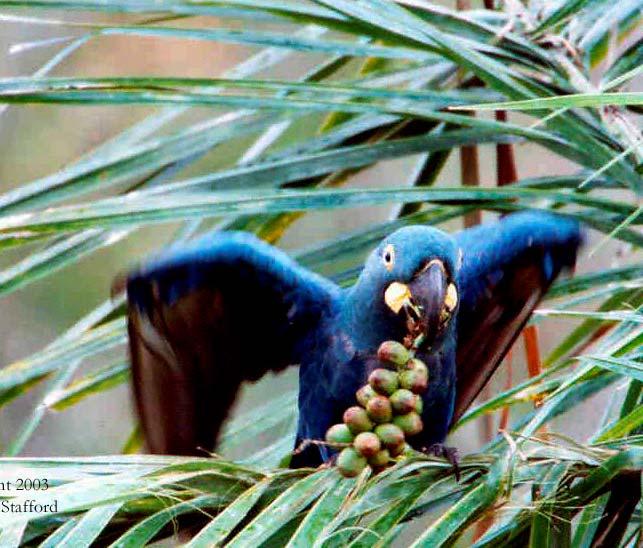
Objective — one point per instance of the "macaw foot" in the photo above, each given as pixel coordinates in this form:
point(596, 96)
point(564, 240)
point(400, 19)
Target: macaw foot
point(449, 453)
point(306, 456)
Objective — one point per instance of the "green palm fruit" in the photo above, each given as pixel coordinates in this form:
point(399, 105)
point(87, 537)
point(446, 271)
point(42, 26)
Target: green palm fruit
point(397, 450)
point(357, 420)
point(408, 450)
point(379, 409)
point(383, 381)
point(390, 434)
point(350, 462)
point(410, 424)
point(364, 394)
point(380, 459)
point(419, 405)
point(402, 450)
point(339, 433)
point(404, 401)
point(417, 365)
point(393, 352)
point(413, 381)
point(367, 444)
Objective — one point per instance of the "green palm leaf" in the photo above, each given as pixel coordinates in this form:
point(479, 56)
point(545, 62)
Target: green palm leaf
point(379, 80)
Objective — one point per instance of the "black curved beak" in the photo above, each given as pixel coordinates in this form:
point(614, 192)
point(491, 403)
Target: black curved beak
point(429, 291)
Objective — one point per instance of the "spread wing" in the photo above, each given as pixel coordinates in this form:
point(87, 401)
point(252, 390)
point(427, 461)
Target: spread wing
point(506, 269)
point(203, 319)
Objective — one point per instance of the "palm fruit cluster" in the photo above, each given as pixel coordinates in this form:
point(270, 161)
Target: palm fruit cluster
point(390, 406)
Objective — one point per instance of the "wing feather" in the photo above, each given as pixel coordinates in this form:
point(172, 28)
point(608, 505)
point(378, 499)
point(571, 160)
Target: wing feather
point(507, 267)
point(206, 318)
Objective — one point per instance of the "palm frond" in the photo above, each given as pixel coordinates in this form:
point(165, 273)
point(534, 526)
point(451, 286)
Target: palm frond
point(383, 79)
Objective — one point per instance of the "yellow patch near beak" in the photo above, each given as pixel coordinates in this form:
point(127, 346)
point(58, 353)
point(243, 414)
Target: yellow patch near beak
point(451, 298)
point(396, 296)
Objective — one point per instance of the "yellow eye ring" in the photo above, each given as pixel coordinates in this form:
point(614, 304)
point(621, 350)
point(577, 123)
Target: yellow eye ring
point(388, 257)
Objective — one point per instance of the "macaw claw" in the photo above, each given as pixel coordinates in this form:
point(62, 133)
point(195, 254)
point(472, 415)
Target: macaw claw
point(449, 453)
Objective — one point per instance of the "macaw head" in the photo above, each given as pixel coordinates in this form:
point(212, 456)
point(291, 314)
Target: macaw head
point(410, 279)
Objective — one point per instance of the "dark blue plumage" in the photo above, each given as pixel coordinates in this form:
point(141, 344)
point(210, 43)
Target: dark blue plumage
point(228, 308)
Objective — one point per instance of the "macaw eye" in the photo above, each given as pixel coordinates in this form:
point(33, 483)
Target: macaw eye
point(388, 256)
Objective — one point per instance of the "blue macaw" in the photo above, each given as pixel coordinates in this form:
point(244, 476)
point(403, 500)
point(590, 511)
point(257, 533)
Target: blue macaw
point(206, 316)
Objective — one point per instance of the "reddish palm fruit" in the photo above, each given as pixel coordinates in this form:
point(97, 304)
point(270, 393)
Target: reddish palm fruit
point(380, 459)
point(411, 423)
point(404, 401)
point(390, 434)
point(383, 381)
point(350, 462)
point(364, 394)
point(357, 420)
point(379, 409)
point(393, 352)
point(367, 444)
point(339, 433)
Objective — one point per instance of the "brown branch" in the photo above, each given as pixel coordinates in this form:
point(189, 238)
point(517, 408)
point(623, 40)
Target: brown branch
point(504, 415)
point(506, 174)
point(602, 330)
point(506, 171)
point(470, 176)
point(532, 353)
